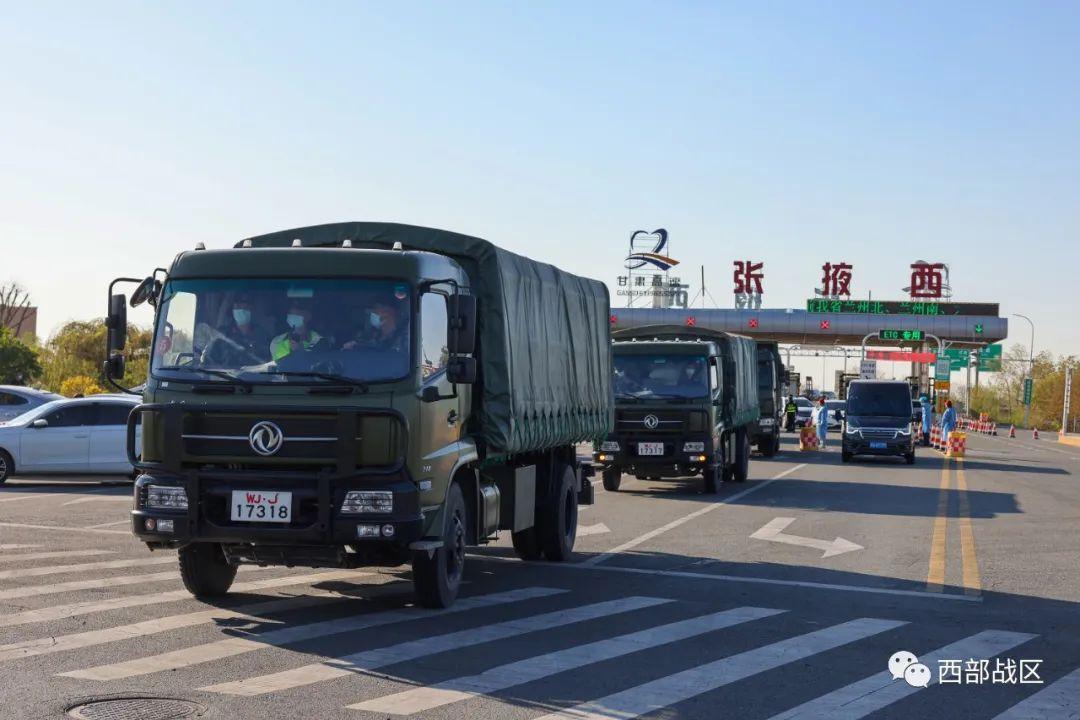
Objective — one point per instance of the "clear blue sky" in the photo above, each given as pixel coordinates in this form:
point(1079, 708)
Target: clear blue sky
point(790, 133)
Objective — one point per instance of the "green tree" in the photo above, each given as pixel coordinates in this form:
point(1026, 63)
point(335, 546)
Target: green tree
point(78, 349)
point(18, 361)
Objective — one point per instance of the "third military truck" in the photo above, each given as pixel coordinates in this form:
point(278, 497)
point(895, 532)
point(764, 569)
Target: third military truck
point(765, 432)
point(363, 394)
point(686, 402)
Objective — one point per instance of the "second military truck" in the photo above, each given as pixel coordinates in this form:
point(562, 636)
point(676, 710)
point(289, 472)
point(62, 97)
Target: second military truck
point(765, 432)
point(364, 394)
point(686, 400)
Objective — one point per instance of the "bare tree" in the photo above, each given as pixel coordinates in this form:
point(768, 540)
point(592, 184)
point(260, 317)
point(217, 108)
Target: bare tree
point(14, 306)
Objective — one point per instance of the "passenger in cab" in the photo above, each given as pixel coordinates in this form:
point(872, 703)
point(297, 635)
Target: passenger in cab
point(300, 336)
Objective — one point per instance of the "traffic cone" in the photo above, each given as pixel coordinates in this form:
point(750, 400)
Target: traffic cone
point(1012, 431)
point(1035, 433)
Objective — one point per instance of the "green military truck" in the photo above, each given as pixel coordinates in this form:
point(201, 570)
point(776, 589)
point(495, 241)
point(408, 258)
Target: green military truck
point(686, 400)
point(362, 394)
point(765, 431)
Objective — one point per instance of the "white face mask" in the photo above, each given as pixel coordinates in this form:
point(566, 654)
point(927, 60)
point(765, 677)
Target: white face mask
point(375, 319)
point(295, 320)
point(242, 316)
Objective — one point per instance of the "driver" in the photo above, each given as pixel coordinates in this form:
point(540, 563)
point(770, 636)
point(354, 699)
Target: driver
point(241, 341)
point(300, 336)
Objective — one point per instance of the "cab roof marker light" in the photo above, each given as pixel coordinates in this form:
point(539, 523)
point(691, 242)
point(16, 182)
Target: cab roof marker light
point(296, 243)
point(398, 246)
point(246, 243)
point(346, 243)
point(200, 246)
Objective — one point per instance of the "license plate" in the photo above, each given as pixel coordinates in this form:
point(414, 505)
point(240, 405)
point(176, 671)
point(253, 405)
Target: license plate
point(877, 446)
point(261, 506)
point(650, 448)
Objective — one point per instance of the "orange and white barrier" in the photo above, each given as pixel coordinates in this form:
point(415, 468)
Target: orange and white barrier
point(808, 439)
point(1012, 431)
point(1035, 433)
point(935, 436)
point(956, 445)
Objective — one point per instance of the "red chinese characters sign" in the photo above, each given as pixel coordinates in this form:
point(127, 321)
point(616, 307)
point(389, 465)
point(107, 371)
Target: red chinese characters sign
point(748, 277)
point(926, 280)
point(836, 280)
point(901, 356)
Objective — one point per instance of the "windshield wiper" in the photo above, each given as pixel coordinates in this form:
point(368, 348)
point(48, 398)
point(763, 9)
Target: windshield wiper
point(331, 377)
point(225, 374)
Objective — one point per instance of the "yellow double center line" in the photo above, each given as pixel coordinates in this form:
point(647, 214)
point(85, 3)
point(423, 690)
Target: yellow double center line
point(935, 576)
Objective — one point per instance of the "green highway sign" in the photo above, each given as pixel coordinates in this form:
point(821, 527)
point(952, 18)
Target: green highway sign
point(958, 357)
point(902, 335)
point(978, 329)
point(1028, 383)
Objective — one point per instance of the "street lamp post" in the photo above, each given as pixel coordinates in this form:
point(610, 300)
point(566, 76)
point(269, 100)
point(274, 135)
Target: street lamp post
point(1031, 364)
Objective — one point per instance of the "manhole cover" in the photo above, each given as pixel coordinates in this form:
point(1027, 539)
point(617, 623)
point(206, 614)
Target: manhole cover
point(142, 708)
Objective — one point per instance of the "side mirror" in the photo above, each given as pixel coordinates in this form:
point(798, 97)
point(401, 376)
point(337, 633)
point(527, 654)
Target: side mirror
point(461, 370)
point(115, 367)
point(461, 325)
point(430, 394)
point(147, 290)
point(40, 423)
point(116, 322)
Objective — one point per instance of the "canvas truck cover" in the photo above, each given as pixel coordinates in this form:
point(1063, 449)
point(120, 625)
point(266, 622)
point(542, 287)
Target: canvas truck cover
point(740, 351)
point(545, 353)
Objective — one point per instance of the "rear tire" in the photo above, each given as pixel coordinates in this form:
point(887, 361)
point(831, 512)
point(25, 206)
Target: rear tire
point(7, 466)
point(768, 446)
point(526, 544)
point(557, 526)
point(612, 479)
point(204, 570)
point(742, 455)
point(437, 577)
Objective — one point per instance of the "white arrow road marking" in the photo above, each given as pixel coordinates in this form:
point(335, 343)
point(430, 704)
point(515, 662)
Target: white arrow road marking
point(598, 529)
point(106, 498)
point(774, 531)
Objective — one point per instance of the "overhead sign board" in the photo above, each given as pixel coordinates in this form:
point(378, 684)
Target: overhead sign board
point(990, 358)
point(943, 367)
point(868, 369)
point(901, 335)
point(900, 307)
point(901, 356)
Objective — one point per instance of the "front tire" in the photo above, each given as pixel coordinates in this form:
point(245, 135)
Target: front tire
point(612, 479)
point(7, 466)
point(714, 479)
point(204, 570)
point(910, 458)
point(437, 577)
point(768, 446)
point(742, 455)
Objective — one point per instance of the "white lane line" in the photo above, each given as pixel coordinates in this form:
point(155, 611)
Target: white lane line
point(90, 638)
point(1058, 700)
point(57, 612)
point(15, 546)
point(667, 691)
point(19, 498)
point(873, 693)
point(58, 554)
point(95, 584)
point(597, 559)
point(542, 666)
point(231, 647)
point(62, 528)
point(597, 529)
point(411, 650)
point(84, 567)
point(125, 521)
point(107, 498)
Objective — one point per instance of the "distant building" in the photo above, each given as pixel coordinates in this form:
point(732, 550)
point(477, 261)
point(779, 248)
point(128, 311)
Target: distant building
point(20, 320)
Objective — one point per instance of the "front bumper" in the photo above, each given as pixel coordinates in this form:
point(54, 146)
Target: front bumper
point(317, 519)
point(675, 460)
point(900, 445)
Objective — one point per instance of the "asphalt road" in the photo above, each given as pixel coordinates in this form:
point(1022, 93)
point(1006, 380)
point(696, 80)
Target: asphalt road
point(783, 597)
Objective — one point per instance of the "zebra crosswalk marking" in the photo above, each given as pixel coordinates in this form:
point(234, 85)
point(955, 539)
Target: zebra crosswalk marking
point(238, 646)
point(535, 668)
point(1060, 699)
point(56, 612)
point(873, 693)
point(96, 583)
point(20, 557)
point(411, 650)
point(84, 567)
point(684, 685)
point(89, 638)
point(16, 546)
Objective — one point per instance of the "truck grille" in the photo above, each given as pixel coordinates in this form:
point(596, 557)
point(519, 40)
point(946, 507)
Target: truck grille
point(666, 421)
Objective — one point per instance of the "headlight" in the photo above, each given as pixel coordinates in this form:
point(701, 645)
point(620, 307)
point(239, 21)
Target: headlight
point(368, 501)
point(166, 496)
point(609, 446)
point(766, 422)
point(851, 430)
point(693, 447)
point(904, 430)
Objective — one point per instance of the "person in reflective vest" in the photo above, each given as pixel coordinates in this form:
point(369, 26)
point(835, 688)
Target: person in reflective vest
point(300, 335)
point(790, 411)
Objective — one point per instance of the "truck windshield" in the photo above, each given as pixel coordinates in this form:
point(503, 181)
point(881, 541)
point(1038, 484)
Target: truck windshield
point(661, 376)
point(283, 330)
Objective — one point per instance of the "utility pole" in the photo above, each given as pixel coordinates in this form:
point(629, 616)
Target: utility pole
point(1067, 403)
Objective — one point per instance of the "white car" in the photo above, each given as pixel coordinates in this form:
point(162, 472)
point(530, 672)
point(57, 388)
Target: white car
point(81, 436)
point(15, 400)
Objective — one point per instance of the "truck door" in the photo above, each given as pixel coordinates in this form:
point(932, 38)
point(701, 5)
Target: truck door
point(440, 419)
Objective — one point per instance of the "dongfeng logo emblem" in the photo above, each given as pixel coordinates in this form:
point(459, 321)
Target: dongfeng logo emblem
point(651, 421)
point(265, 438)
